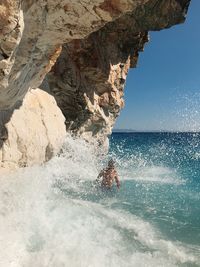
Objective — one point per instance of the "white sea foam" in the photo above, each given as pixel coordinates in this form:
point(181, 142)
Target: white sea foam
point(196, 155)
point(42, 225)
point(153, 173)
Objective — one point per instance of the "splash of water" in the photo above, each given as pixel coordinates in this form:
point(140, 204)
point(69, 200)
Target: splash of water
point(188, 113)
point(53, 216)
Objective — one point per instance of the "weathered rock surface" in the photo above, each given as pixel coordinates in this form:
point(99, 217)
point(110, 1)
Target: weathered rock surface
point(36, 131)
point(99, 39)
point(32, 34)
point(89, 76)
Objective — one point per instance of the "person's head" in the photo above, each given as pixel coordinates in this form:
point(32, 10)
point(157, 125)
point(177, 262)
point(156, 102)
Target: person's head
point(111, 163)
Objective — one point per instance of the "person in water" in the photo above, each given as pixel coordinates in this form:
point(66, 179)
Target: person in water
point(109, 174)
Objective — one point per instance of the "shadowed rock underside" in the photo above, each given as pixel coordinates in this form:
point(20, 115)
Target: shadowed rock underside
point(89, 76)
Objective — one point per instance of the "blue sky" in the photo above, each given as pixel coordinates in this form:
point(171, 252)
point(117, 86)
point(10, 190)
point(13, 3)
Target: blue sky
point(163, 92)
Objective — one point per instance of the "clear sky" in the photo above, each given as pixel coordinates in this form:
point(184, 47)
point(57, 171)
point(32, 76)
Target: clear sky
point(163, 92)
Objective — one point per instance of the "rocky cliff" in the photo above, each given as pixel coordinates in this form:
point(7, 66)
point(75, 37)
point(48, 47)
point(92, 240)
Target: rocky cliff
point(77, 51)
point(34, 133)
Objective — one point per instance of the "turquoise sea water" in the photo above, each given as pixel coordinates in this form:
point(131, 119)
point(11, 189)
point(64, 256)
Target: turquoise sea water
point(55, 216)
point(161, 173)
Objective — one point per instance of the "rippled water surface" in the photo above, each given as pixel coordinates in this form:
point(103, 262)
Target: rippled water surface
point(55, 216)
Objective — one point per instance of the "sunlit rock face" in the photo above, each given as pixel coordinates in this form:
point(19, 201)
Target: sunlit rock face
point(32, 33)
point(88, 46)
point(35, 132)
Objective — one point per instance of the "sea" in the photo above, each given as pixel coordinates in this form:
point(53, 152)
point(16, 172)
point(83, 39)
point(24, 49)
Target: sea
point(55, 215)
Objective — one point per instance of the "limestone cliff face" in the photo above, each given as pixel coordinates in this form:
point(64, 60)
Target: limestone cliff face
point(32, 34)
point(35, 132)
point(88, 46)
point(89, 76)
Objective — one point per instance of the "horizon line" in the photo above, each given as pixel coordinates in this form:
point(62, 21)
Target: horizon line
point(158, 131)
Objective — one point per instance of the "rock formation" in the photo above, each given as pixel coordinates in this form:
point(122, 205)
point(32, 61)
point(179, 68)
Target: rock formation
point(88, 47)
point(35, 131)
point(89, 76)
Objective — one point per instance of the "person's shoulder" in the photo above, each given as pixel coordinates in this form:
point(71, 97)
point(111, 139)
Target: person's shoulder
point(115, 172)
